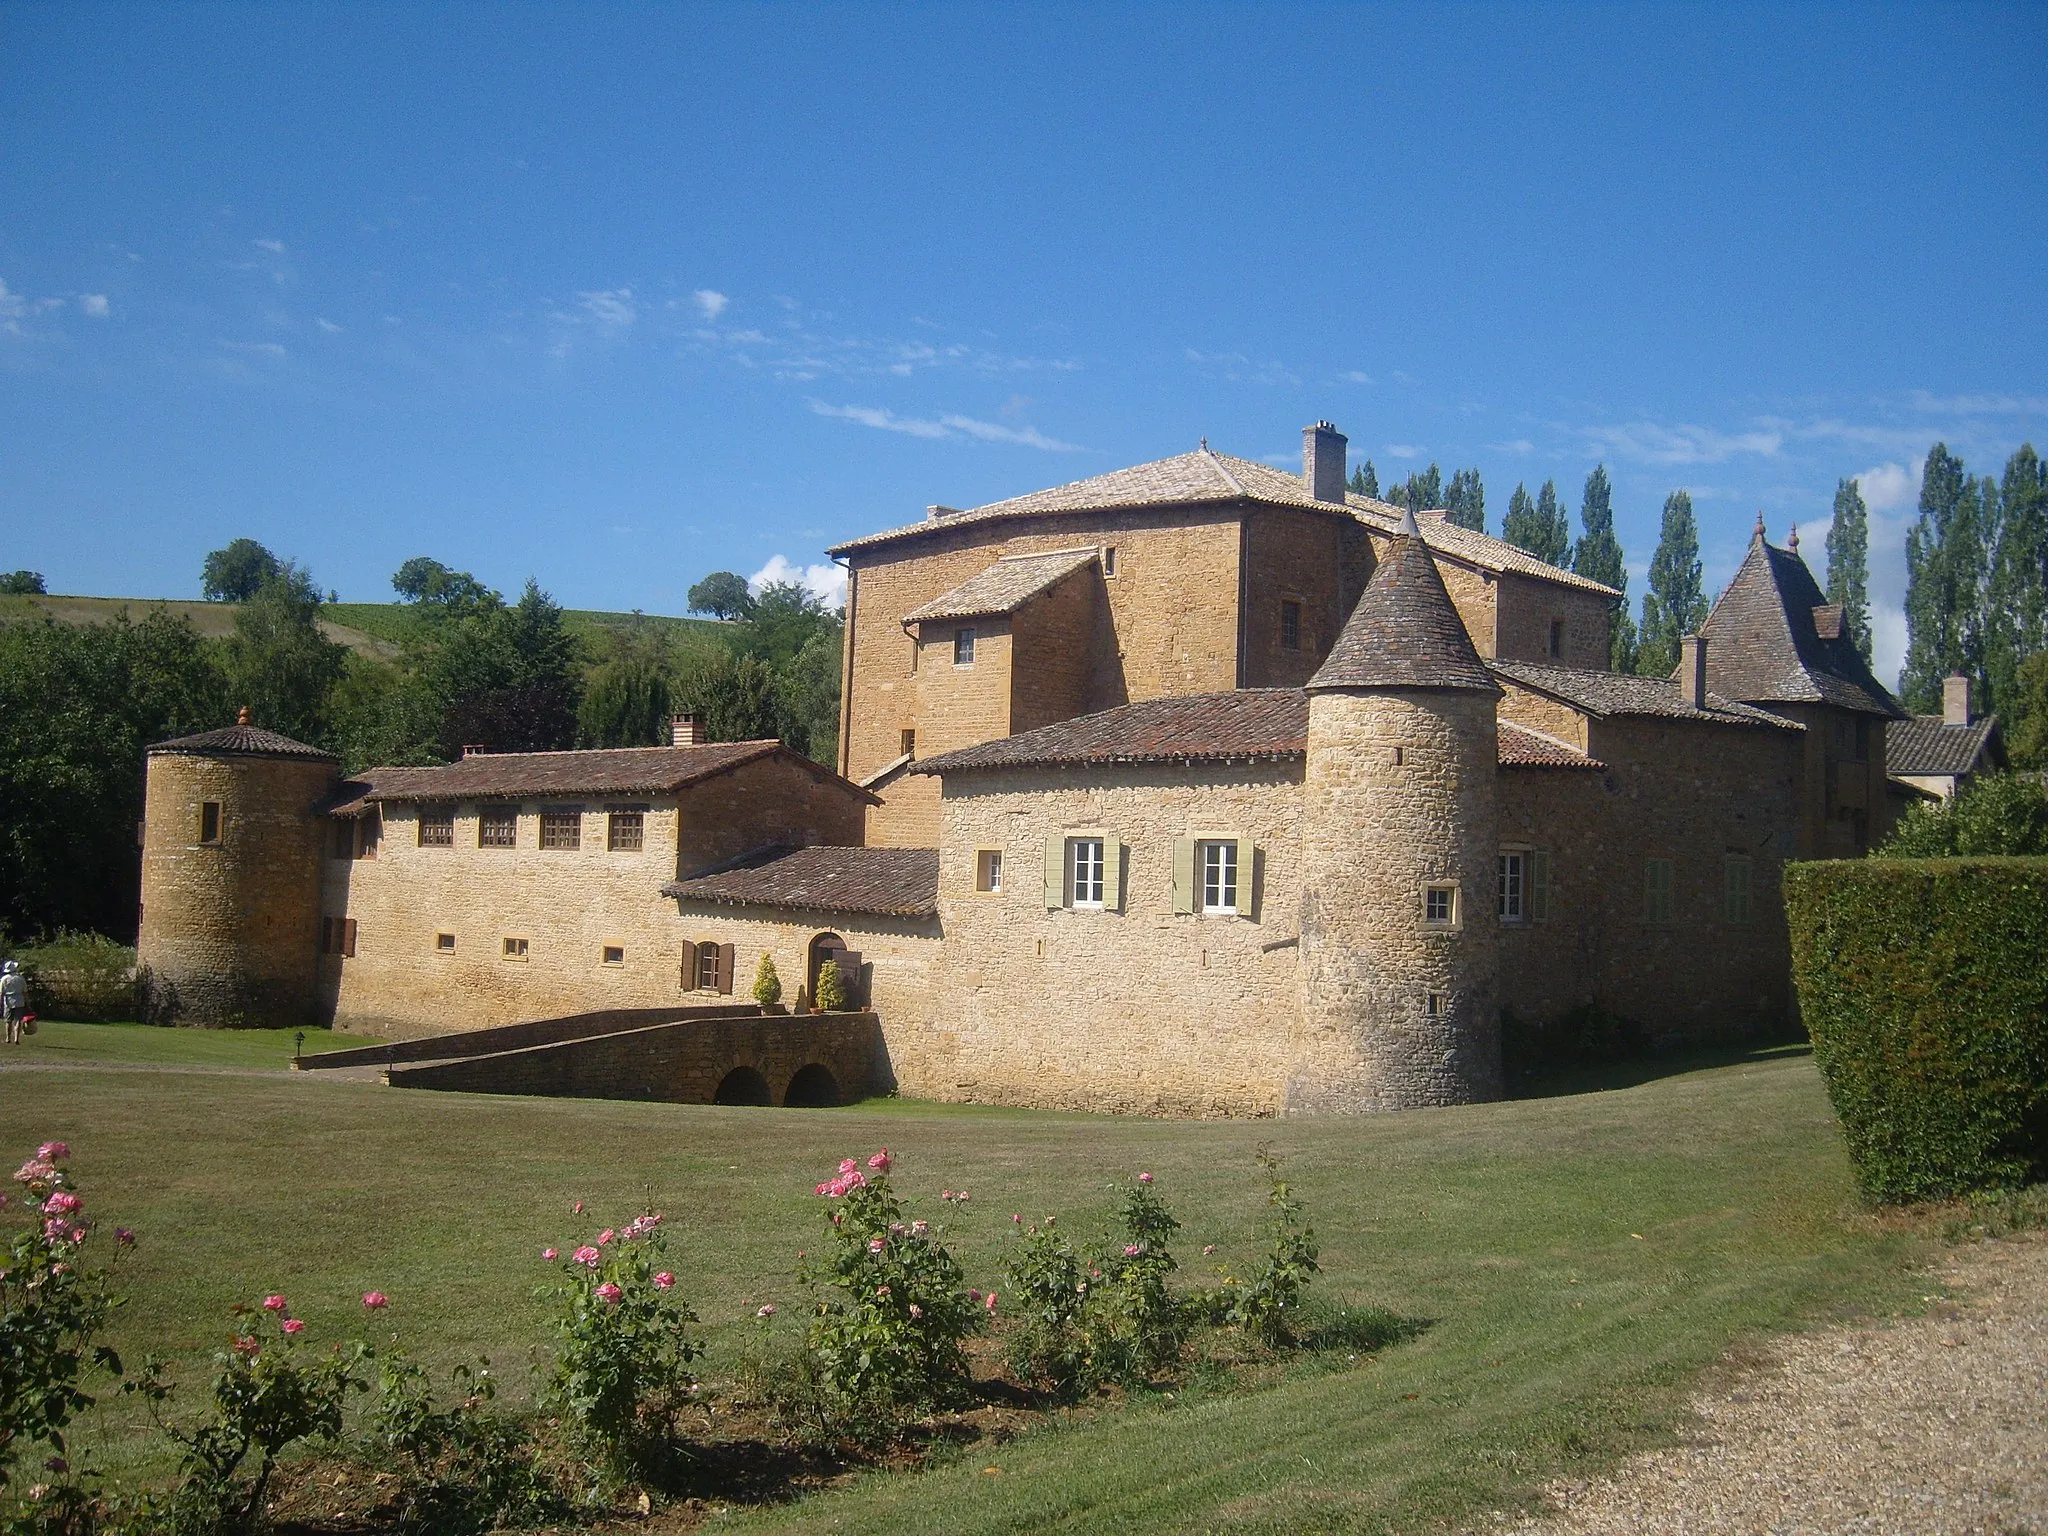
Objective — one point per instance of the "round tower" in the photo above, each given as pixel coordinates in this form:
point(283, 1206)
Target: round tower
point(232, 844)
point(1400, 857)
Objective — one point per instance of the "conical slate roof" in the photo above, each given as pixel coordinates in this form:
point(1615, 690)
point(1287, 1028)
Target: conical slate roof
point(1405, 631)
point(241, 740)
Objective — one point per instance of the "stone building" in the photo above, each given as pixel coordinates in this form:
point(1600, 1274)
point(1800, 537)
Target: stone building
point(1935, 755)
point(1195, 788)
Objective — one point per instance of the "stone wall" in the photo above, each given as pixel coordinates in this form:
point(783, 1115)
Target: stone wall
point(1540, 712)
point(230, 930)
point(1136, 1010)
point(1062, 641)
point(1317, 559)
point(1524, 610)
point(778, 799)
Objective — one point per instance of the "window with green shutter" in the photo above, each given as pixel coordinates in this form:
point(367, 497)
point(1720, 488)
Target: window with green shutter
point(1657, 892)
point(1735, 879)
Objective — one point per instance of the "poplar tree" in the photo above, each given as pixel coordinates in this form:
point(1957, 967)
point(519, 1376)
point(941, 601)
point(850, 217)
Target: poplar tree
point(1675, 605)
point(1539, 526)
point(1945, 560)
point(1598, 558)
point(1849, 563)
point(1519, 527)
point(2016, 594)
point(1465, 501)
point(1366, 482)
point(1426, 490)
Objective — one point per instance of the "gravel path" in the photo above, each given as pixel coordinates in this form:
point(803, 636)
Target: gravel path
point(1929, 1426)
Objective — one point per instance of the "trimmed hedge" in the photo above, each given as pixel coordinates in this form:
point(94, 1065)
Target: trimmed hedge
point(1924, 983)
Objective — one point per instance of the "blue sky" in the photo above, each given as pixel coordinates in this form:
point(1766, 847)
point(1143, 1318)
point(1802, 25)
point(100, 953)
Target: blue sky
point(617, 295)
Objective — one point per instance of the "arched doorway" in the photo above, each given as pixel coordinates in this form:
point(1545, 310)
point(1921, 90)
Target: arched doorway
point(743, 1085)
point(814, 1087)
point(826, 946)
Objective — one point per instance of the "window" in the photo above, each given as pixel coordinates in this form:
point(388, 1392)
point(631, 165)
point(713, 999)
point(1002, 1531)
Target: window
point(1109, 560)
point(625, 831)
point(1218, 861)
point(561, 829)
point(707, 967)
point(444, 943)
point(338, 936)
point(497, 827)
point(515, 949)
point(370, 835)
point(1539, 885)
point(437, 826)
point(612, 954)
point(1556, 637)
point(1084, 870)
point(1440, 905)
point(1514, 872)
point(963, 647)
point(988, 871)
point(209, 821)
point(915, 646)
point(1735, 875)
point(1437, 1005)
point(1290, 626)
point(909, 742)
point(1657, 891)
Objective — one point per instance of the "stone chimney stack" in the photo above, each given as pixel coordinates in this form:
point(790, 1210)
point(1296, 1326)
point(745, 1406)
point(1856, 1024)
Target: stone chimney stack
point(1955, 699)
point(1692, 669)
point(1322, 462)
point(686, 730)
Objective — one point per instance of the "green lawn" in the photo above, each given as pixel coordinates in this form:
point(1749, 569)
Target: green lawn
point(56, 1043)
point(1580, 1258)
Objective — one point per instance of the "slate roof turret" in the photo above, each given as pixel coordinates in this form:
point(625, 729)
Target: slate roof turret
point(240, 740)
point(1405, 631)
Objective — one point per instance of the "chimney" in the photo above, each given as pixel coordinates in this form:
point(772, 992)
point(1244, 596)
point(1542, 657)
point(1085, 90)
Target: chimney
point(686, 730)
point(1955, 699)
point(1692, 670)
point(1322, 462)
point(472, 749)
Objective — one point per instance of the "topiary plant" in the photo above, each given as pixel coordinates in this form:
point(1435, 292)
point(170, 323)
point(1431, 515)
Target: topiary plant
point(831, 988)
point(767, 985)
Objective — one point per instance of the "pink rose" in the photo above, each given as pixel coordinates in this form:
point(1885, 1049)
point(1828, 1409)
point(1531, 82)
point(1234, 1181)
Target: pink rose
point(881, 1161)
point(549, 1253)
point(588, 1255)
point(1016, 1220)
point(124, 1237)
point(62, 1203)
point(1144, 1178)
point(920, 1228)
point(577, 1207)
point(1208, 1248)
point(990, 1303)
point(881, 1290)
point(609, 1293)
point(877, 1244)
point(766, 1309)
point(847, 1165)
point(974, 1295)
point(375, 1300)
point(50, 1151)
point(605, 1236)
point(1132, 1250)
point(245, 1346)
point(293, 1325)
point(664, 1280)
point(273, 1303)
point(35, 1171)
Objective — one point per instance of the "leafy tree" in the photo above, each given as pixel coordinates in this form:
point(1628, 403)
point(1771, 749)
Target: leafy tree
point(278, 662)
point(1945, 569)
point(1540, 526)
point(1675, 605)
point(1598, 558)
point(767, 984)
point(1423, 491)
point(787, 616)
point(723, 595)
point(625, 704)
point(422, 580)
point(1465, 501)
point(2001, 813)
point(2016, 595)
point(735, 694)
point(1365, 480)
point(2027, 716)
point(80, 703)
point(236, 573)
point(1849, 563)
point(22, 584)
point(382, 715)
point(807, 693)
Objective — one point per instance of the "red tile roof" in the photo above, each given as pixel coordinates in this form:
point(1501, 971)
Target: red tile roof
point(887, 882)
point(239, 741)
point(1521, 747)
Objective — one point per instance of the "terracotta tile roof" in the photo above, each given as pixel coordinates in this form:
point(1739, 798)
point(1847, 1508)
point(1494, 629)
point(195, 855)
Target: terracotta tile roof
point(1209, 476)
point(1004, 587)
point(516, 775)
point(1773, 638)
point(1521, 747)
point(1922, 744)
point(1606, 694)
point(889, 882)
point(240, 741)
point(1404, 631)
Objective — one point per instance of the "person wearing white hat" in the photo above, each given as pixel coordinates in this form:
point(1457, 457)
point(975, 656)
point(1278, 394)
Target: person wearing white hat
point(13, 999)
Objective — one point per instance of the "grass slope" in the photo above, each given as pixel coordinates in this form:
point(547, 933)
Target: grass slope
point(1580, 1258)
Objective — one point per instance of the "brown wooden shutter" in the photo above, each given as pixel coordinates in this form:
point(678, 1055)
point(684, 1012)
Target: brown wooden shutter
point(689, 971)
point(725, 956)
point(348, 936)
point(849, 974)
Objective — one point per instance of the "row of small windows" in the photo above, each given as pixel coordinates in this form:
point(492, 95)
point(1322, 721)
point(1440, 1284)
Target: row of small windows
point(1211, 875)
point(561, 829)
point(338, 937)
point(1523, 893)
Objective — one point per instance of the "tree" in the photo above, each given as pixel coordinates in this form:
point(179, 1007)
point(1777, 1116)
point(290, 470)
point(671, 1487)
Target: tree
point(723, 595)
point(626, 703)
point(1465, 501)
point(2016, 594)
point(1598, 558)
point(1424, 491)
point(428, 581)
point(1539, 526)
point(380, 715)
point(1365, 481)
point(767, 984)
point(22, 584)
point(2001, 813)
point(1849, 563)
point(1675, 605)
point(736, 695)
point(1944, 582)
point(278, 662)
point(235, 574)
point(831, 996)
point(2027, 714)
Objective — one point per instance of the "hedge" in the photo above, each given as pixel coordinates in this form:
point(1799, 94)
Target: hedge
point(1924, 984)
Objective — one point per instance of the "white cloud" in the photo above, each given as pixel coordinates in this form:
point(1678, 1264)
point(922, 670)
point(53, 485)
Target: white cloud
point(610, 309)
point(827, 580)
point(886, 421)
point(275, 247)
point(1651, 443)
point(1355, 377)
point(1403, 451)
point(261, 348)
point(1890, 487)
point(14, 309)
point(711, 302)
point(1519, 445)
point(989, 432)
point(94, 304)
point(945, 426)
point(1980, 405)
point(327, 325)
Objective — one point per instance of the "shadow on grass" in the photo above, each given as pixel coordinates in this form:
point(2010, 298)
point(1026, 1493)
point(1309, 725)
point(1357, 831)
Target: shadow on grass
point(1633, 1070)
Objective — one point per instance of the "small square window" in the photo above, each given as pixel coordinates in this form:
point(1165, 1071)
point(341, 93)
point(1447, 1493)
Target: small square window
point(1218, 863)
point(1514, 872)
point(437, 826)
point(1290, 626)
point(561, 830)
point(515, 949)
point(444, 943)
point(338, 936)
point(613, 954)
point(1437, 1005)
point(988, 871)
point(209, 821)
point(1657, 880)
point(497, 827)
point(625, 831)
point(1440, 905)
point(1084, 870)
point(963, 647)
point(1109, 560)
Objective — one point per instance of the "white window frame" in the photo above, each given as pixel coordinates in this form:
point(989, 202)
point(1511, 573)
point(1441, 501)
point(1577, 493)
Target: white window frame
point(963, 646)
point(1512, 892)
point(1450, 889)
point(988, 871)
point(1078, 869)
point(1217, 898)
